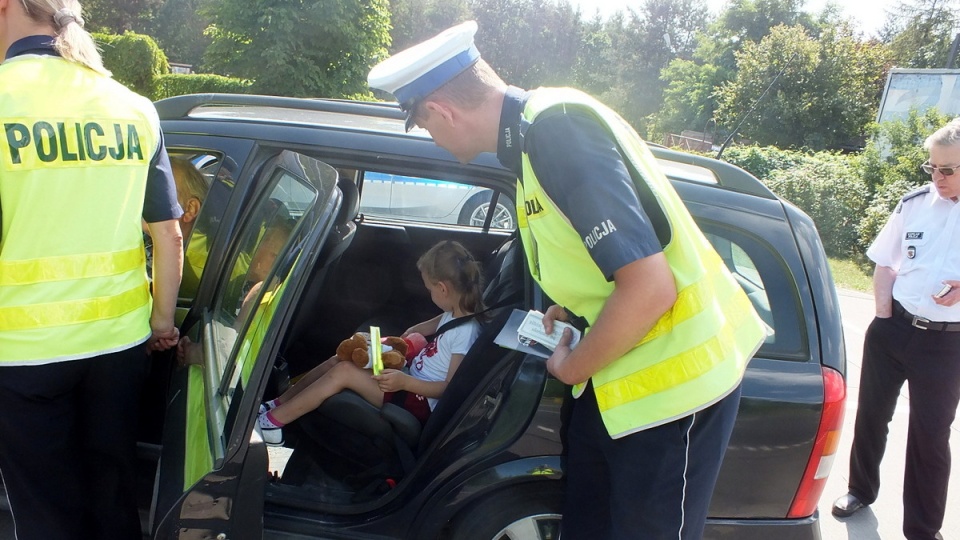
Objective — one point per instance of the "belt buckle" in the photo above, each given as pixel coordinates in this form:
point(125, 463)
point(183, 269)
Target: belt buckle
point(919, 321)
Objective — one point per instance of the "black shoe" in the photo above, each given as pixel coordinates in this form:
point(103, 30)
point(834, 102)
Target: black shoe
point(847, 505)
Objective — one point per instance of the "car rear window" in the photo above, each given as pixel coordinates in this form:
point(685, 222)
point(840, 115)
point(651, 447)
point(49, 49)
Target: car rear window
point(763, 275)
point(433, 201)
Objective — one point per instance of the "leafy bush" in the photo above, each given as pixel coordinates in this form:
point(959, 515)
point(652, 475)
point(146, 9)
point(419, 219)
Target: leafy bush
point(895, 150)
point(878, 211)
point(829, 189)
point(134, 59)
point(891, 166)
point(762, 161)
point(177, 85)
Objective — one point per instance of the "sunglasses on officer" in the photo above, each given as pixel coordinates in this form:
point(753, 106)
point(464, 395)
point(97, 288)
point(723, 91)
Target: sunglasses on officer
point(946, 171)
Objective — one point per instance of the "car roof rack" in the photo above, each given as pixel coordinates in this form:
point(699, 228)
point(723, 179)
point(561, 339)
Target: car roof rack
point(181, 106)
point(722, 174)
point(727, 175)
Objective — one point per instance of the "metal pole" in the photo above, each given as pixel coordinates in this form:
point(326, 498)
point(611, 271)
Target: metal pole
point(953, 51)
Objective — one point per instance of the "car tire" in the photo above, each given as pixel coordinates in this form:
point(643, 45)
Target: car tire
point(474, 212)
point(528, 512)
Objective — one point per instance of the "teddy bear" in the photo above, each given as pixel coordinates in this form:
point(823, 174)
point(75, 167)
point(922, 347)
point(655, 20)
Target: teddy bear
point(396, 350)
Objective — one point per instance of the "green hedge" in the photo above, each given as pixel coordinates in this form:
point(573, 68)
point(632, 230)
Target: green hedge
point(135, 60)
point(829, 189)
point(762, 161)
point(177, 85)
point(849, 197)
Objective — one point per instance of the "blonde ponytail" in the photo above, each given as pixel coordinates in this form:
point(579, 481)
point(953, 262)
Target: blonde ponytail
point(72, 42)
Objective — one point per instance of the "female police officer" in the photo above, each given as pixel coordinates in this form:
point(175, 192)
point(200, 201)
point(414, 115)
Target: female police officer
point(81, 161)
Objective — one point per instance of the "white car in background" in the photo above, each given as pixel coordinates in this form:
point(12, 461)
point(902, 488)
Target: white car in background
point(434, 201)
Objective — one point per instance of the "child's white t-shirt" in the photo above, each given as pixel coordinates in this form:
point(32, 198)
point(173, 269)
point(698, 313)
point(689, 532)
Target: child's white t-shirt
point(433, 362)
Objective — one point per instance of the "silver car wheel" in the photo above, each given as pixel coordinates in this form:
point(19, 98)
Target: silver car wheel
point(502, 219)
point(537, 527)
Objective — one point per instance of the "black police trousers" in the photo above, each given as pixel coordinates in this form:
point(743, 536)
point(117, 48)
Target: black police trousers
point(68, 435)
point(652, 484)
point(894, 351)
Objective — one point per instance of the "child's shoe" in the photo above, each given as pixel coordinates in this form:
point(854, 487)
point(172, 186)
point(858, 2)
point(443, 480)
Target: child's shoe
point(271, 433)
point(268, 406)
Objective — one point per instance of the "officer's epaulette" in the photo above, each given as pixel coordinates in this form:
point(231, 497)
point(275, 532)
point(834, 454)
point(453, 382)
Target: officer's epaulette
point(915, 193)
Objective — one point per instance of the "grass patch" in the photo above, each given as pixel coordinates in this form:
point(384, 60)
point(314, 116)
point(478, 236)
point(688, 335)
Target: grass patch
point(852, 274)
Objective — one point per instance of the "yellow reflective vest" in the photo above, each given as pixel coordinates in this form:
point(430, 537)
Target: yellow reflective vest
point(697, 352)
point(74, 160)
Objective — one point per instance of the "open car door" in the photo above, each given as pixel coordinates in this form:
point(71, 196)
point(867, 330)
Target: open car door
point(213, 466)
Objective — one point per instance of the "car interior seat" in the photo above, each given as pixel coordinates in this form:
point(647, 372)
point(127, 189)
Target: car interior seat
point(382, 444)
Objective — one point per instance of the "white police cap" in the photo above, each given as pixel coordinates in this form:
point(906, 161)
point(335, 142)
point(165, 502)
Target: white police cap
point(413, 74)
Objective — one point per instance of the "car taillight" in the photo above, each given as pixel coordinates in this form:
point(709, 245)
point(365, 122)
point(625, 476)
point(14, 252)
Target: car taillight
point(824, 448)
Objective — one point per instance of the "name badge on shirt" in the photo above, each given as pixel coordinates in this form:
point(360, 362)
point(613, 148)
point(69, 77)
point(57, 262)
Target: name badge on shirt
point(918, 235)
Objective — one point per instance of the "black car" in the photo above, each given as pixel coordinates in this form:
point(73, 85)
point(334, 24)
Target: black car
point(489, 462)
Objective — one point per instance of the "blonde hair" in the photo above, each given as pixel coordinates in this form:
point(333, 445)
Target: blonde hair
point(190, 182)
point(449, 261)
point(71, 41)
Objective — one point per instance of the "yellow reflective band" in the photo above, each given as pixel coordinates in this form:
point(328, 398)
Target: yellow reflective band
point(690, 302)
point(678, 369)
point(70, 267)
point(72, 312)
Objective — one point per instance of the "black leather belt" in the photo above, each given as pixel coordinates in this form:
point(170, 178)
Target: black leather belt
point(925, 324)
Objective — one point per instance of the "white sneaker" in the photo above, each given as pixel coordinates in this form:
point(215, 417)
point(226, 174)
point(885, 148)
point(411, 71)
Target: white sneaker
point(267, 406)
point(270, 434)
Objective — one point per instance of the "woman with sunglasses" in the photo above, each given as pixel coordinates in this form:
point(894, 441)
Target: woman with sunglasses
point(915, 337)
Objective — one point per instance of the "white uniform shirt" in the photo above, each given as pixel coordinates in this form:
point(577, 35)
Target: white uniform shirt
point(433, 362)
point(921, 242)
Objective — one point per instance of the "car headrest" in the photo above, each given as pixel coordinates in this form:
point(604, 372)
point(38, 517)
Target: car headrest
point(351, 201)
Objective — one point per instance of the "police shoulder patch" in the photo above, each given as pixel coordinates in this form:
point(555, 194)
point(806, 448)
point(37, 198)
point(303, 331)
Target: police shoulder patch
point(915, 193)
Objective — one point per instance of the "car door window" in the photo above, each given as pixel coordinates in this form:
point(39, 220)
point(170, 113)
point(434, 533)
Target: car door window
point(200, 175)
point(434, 201)
point(246, 296)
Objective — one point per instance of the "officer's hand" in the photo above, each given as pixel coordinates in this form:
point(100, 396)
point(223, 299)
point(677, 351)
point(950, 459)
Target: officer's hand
point(557, 364)
point(952, 297)
point(554, 313)
point(163, 340)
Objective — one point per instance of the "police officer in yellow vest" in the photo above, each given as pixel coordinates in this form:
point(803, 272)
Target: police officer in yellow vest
point(81, 162)
point(657, 374)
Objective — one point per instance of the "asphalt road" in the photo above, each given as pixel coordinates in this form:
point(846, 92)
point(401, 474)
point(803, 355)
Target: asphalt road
point(882, 520)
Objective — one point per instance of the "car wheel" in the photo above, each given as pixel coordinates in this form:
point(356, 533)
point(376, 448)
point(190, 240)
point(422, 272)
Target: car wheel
point(518, 514)
point(474, 213)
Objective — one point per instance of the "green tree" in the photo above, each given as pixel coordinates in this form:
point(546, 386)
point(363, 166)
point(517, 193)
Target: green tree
point(304, 48)
point(690, 85)
point(749, 21)
point(920, 33)
point(179, 29)
point(416, 20)
point(529, 42)
point(815, 93)
point(110, 16)
point(689, 99)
